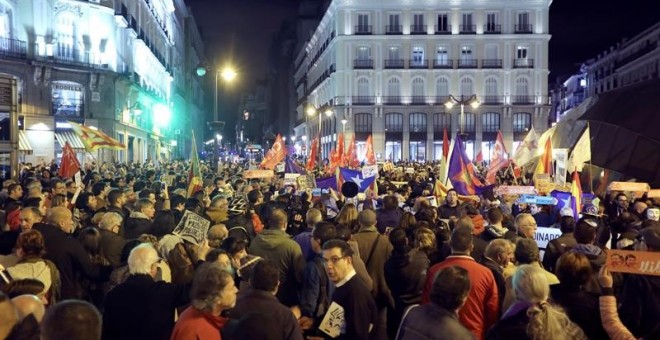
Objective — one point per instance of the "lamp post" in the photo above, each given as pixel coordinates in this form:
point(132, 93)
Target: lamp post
point(343, 125)
point(472, 101)
point(311, 111)
point(228, 74)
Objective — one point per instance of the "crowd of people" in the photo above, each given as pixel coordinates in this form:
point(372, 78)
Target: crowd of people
point(100, 259)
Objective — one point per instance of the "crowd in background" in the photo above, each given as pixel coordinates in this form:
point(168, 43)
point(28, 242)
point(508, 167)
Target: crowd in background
point(100, 259)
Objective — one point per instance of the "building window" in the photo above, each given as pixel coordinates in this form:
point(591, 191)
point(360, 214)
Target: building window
point(418, 151)
point(442, 23)
point(363, 24)
point(522, 91)
point(418, 91)
point(65, 42)
point(491, 92)
point(418, 55)
point(466, 53)
point(522, 122)
point(394, 122)
point(491, 23)
point(394, 24)
point(394, 88)
point(363, 53)
point(467, 88)
point(469, 122)
point(490, 122)
point(521, 52)
point(417, 122)
point(441, 90)
point(67, 99)
point(363, 87)
point(363, 122)
point(5, 21)
point(467, 25)
point(393, 150)
point(441, 121)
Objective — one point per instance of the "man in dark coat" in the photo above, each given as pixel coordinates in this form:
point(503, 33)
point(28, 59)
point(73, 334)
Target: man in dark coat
point(140, 307)
point(111, 243)
point(499, 253)
point(68, 254)
point(140, 220)
point(389, 216)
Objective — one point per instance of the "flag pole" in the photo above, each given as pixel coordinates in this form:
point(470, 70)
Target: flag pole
point(591, 184)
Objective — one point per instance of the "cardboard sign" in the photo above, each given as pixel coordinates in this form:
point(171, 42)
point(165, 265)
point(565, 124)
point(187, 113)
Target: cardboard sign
point(543, 183)
point(388, 166)
point(561, 159)
point(544, 235)
point(192, 228)
point(629, 186)
point(515, 190)
point(535, 199)
point(410, 170)
point(306, 182)
point(633, 262)
point(290, 179)
point(370, 171)
point(78, 179)
point(654, 193)
point(258, 173)
point(334, 322)
point(279, 167)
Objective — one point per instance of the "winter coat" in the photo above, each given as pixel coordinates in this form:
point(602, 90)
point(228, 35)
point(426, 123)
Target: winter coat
point(405, 274)
point(136, 225)
point(432, 322)
point(366, 238)
point(640, 303)
point(111, 246)
point(581, 307)
point(387, 218)
point(556, 248)
point(597, 259)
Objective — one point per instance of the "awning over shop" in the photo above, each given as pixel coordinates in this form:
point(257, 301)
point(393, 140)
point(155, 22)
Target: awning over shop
point(23, 143)
point(73, 139)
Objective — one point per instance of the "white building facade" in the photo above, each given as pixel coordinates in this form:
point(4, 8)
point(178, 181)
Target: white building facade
point(387, 68)
point(109, 64)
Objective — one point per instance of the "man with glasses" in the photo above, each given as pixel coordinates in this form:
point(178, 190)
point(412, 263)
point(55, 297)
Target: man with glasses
point(525, 225)
point(350, 294)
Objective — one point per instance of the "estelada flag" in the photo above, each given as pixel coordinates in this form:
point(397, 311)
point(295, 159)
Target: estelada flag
point(370, 156)
point(69, 165)
point(275, 155)
point(499, 159)
point(95, 139)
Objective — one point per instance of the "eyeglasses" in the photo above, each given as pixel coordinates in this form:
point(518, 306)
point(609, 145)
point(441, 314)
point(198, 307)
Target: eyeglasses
point(333, 260)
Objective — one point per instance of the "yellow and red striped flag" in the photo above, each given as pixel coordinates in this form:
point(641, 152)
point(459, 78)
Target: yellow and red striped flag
point(95, 139)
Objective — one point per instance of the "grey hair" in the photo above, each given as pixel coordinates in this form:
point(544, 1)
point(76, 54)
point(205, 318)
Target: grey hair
point(110, 220)
point(497, 246)
point(208, 283)
point(142, 258)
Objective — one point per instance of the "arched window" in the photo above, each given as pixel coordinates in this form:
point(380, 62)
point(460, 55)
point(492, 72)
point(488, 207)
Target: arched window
point(469, 122)
point(363, 122)
point(418, 91)
point(441, 90)
point(522, 122)
point(394, 122)
point(65, 36)
point(442, 121)
point(522, 91)
point(490, 122)
point(393, 91)
point(417, 122)
point(363, 91)
point(467, 89)
point(490, 90)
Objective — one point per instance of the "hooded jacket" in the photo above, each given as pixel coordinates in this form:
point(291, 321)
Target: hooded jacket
point(597, 259)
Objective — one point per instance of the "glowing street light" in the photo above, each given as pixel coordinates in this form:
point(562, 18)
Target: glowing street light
point(472, 101)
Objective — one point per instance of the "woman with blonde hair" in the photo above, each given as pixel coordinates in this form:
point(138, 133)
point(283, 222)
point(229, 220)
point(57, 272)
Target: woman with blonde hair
point(531, 316)
point(348, 216)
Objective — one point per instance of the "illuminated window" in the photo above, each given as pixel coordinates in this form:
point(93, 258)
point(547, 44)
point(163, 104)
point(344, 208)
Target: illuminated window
point(394, 122)
point(363, 122)
point(522, 122)
point(417, 122)
point(67, 99)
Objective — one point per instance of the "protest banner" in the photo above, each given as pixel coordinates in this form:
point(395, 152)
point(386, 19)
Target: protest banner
point(192, 228)
point(290, 179)
point(535, 199)
point(561, 158)
point(388, 166)
point(370, 171)
point(629, 186)
point(544, 235)
point(543, 183)
point(515, 190)
point(654, 193)
point(258, 173)
point(334, 322)
point(410, 170)
point(305, 182)
point(633, 262)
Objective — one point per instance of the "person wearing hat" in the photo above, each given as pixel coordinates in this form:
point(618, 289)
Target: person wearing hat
point(560, 245)
point(640, 301)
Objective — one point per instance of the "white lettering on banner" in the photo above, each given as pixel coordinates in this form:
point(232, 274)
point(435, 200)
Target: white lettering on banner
point(192, 228)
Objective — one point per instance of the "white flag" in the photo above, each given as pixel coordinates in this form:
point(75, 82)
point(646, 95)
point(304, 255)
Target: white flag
point(581, 152)
point(527, 149)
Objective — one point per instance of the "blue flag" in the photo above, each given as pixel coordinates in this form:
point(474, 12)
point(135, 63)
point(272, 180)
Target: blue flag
point(348, 175)
point(564, 200)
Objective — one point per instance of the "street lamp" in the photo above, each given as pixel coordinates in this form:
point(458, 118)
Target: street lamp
point(472, 101)
point(343, 125)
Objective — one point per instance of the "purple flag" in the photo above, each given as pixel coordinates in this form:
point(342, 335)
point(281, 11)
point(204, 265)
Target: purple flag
point(290, 167)
point(461, 172)
point(327, 182)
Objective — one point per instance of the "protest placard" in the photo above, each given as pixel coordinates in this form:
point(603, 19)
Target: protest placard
point(543, 183)
point(629, 186)
point(305, 182)
point(653, 193)
point(369, 171)
point(334, 322)
point(561, 158)
point(279, 167)
point(515, 190)
point(410, 170)
point(290, 179)
point(633, 262)
point(258, 173)
point(544, 235)
point(192, 228)
point(78, 179)
point(535, 199)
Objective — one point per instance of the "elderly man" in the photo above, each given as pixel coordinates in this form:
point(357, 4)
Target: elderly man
point(71, 320)
point(525, 225)
point(111, 243)
point(68, 254)
point(498, 255)
point(140, 307)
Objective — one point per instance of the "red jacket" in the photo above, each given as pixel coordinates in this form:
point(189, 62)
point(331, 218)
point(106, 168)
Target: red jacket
point(193, 324)
point(481, 309)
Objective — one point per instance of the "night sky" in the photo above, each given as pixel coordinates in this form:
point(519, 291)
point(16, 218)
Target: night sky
point(240, 31)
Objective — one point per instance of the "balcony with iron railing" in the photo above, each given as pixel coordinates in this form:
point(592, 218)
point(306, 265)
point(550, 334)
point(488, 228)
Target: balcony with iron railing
point(443, 63)
point(417, 63)
point(468, 63)
point(442, 29)
point(394, 64)
point(418, 100)
point(491, 63)
point(363, 30)
point(418, 29)
point(363, 100)
point(522, 99)
point(392, 100)
point(523, 63)
point(524, 29)
point(13, 48)
point(492, 100)
point(468, 29)
point(393, 29)
point(66, 54)
point(363, 63)
point(492, 29)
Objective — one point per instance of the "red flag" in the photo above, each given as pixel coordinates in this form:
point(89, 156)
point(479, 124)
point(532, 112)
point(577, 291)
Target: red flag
point(340, 150)
point(498, 159)
point(351, 155)
point(69, 165)
point(480, 157)
point(314, 152)
point(445, 144)
point(370, 156)
point(275, 155)
point(544, 165)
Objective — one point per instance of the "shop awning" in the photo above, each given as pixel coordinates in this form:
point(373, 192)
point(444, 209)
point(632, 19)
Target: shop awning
point(73, 139)
point(23, 143)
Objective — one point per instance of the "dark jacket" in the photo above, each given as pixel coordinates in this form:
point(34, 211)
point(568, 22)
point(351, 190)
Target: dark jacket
point(71, 260)
point(497, 271)
point(597, 259)
point(366, 238)
point(111, 246)
point(556, 248)
point(640, 303)
point(445, 211)
point(137, 225)
point(432, 322)
point(141, 308)
point(513, 325)
point(387, 218)
point(581, 307)
point(490, 233)
point(264, 303)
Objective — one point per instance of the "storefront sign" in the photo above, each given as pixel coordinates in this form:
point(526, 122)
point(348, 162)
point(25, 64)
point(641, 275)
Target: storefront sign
point(633, 262)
